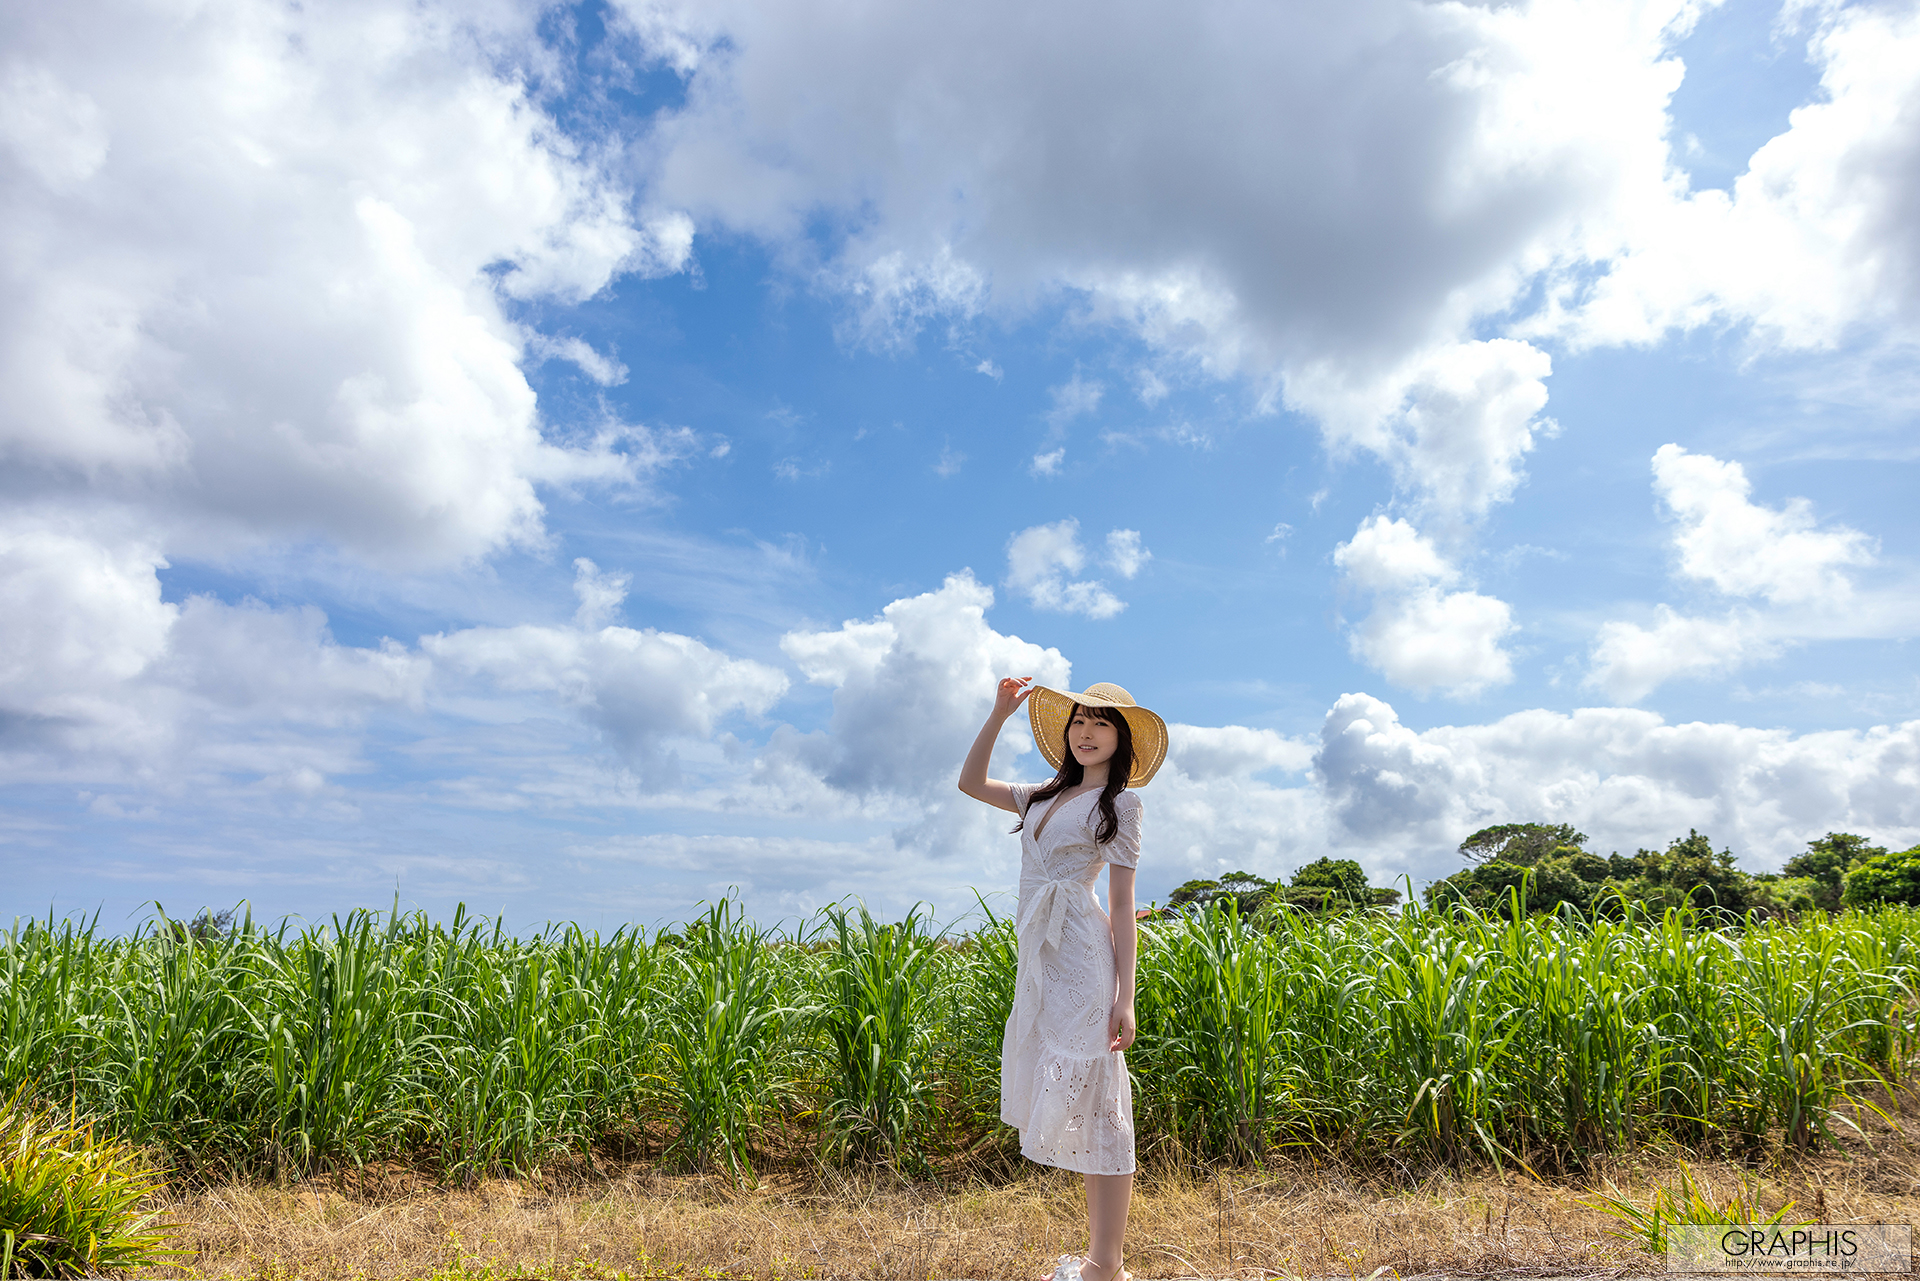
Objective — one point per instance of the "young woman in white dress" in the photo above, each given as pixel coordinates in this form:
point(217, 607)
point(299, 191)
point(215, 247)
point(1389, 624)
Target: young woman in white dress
point(1063, 1068)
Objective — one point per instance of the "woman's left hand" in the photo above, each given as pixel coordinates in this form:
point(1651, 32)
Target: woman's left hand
point(1120, 1027)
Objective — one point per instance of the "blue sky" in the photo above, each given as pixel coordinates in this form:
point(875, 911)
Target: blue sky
point(575, 460)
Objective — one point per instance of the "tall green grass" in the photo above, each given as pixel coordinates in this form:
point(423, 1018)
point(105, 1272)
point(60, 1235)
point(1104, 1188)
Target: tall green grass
point(721, 1039)
point(1421, 1035)
point(878, 1035)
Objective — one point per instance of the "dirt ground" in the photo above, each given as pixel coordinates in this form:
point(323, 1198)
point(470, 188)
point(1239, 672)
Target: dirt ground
point(1294, 1218)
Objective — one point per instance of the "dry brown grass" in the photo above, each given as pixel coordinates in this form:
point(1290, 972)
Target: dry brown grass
point(1291, 1219)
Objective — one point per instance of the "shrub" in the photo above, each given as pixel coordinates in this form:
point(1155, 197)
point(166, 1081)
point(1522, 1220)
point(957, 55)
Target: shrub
point(1689, 1205)
point(1888, 878)
point(1796, 893)
point(1827, 862)
point(70, 1201)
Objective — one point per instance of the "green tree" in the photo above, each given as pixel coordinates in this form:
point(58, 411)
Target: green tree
point(1547, 862)
point(1343, 876)
point(1688, 873)
point(1522, 844)
point(1332, 885)
point(1543, 886)
point(1827, 862)
point(1244, 888)
point(1326, 884)
point(1555, 868)
point(1885, 878)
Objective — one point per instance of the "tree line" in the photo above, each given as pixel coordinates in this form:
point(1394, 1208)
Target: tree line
point(1546, 866)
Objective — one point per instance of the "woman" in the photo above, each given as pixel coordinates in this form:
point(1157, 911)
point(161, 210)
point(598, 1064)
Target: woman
point(1063, 1070)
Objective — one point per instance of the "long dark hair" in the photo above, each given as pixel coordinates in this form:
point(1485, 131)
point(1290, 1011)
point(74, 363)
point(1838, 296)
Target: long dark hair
point(1072, 772)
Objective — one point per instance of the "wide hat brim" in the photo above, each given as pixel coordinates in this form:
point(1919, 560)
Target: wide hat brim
point(1050, 710)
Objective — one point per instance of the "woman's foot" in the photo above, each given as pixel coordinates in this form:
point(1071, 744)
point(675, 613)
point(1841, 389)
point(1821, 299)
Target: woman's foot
point(1068, 1269)
point(1091, 1271)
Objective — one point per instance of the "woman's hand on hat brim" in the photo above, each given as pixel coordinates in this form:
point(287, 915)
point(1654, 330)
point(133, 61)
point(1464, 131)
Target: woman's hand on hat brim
point(1012, 692)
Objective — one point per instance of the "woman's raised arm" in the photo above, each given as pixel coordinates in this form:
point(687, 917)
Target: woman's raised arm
point(974, 782)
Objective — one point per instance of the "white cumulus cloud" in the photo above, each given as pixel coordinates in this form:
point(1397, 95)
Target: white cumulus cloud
point(1043, 560)
point(1204, 752)
point(1744, 549)
point(908, 686)
point(1504, 146)
point(1453, 423)
point(1784, 558)
point(104, 682)
point(604, 370)
point(1829, 206)
point(1631, 661)
point(1073, 399)
point(639, 686)
point(1391, 555)
point(1420, 634)
point(1624, 776)
point(253, 261)
point(1519, 178)
point(1126, 554)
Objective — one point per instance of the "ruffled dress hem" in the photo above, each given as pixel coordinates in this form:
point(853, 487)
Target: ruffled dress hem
point(1079, 1113)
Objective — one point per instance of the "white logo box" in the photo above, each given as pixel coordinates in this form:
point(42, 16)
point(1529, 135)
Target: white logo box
point(1777, 1248)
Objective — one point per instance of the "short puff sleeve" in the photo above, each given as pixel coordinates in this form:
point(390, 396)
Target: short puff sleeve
point(1124, 848)
point(1022, 793)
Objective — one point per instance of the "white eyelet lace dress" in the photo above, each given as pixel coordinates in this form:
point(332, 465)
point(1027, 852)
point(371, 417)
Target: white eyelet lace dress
point(1060, 1086)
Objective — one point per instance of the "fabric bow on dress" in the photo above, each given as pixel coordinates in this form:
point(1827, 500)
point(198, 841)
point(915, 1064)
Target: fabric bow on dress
point(1049, 904)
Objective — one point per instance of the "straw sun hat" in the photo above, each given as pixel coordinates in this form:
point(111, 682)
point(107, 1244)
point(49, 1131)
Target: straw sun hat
point(1050, 710)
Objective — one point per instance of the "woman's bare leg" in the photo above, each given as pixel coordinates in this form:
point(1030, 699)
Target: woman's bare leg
point(1108, 1196)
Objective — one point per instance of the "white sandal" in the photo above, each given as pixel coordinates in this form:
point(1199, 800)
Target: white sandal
point(1068, 1269)
point(1077, 1262)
